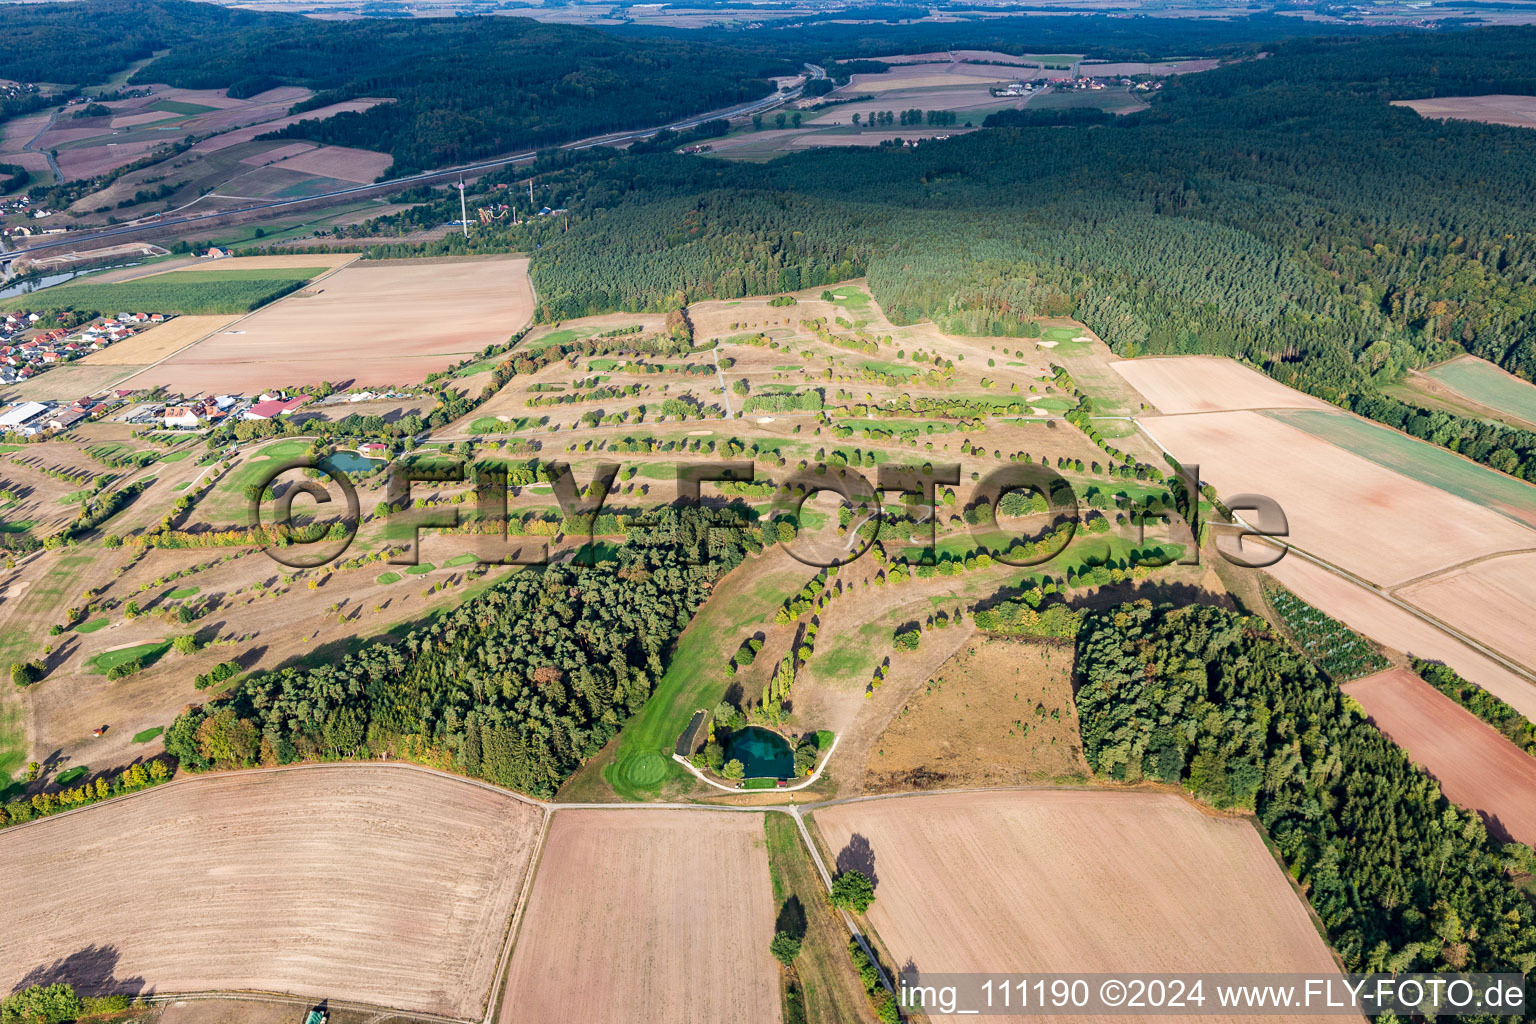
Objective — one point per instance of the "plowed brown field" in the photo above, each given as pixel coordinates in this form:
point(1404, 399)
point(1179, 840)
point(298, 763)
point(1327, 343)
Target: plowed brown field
point(1071, 881)
point(382, 884)
point(647, 915)
point(1475, 766)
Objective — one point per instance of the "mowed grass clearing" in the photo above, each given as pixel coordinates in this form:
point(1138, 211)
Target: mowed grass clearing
point(1488, 385)
point(696, 677)
point(147, 653)
point(1418, 460)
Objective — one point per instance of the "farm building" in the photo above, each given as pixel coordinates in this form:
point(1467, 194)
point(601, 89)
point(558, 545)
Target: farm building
point(21, 415)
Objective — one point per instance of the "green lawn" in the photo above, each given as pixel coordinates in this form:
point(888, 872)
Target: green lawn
point(92, 626)
point(420, 570)
point(149, 653)
point(559, 337)
point(180, 107)
point(183, 593)
point(1420, 460)
point(388, 577)
point(855, 300)
point(696, 677)
point(19, 526)
point(148, 734)
point(1488, 385)
point(228, 503)
point(458, 560)
point(176, 456)
point(13, 746)
point(69, 775)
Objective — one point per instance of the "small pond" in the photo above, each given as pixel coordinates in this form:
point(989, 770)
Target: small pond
point(351, 462)
point(764, 753)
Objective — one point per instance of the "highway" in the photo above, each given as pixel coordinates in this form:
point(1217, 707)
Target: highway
point(157, 226)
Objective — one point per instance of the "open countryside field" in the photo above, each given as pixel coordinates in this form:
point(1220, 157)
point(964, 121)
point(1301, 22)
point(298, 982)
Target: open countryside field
point(158, 341)
point(1475, 766)
point(369, 324)
point(999, 712)
point(1071, 881)
point(1180, 384)
point(671, 911)
point(1466, 596)
point(1381, 525)
point(1519, 111)
point(1420, 461)
point(251, 882)
point(1488, 385)
point(188, 290)
point(1374, 616)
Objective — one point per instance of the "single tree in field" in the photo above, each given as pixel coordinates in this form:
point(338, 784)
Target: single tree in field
point(852, 890)
point(784, 947)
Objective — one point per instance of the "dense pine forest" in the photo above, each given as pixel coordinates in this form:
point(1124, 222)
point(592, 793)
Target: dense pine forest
point(517, 686)
point(1279, 210)
point(1402, 879)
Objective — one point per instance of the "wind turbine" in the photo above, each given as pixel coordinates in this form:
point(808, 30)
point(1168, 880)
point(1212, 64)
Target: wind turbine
point(463, 210)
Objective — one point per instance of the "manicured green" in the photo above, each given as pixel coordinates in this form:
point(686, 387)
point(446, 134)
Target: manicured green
point(69, 775)
point(463, 559)
point(183, 593)
point(147, 653)
point(422, 569)
point(148, 734)
point(92, 626)
point(388, 577)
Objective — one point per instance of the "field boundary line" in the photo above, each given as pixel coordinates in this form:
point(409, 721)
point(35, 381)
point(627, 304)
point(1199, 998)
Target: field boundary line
point(498, 986)
point(280, 997)
point(1426, 577)
point(826, 880)
point(1382, 592)
point(221, 330)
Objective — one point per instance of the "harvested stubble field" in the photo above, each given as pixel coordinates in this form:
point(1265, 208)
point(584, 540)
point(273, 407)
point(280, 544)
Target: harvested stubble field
point(252, 882)
point(1493, 601)
point(1475, 766)
point(1071, 881)
point(159, 341)
point(1519, 111)
point(669, 911)
point(390, 323)
point(1371, 614)
point(1380, 525)
point(1180, 384)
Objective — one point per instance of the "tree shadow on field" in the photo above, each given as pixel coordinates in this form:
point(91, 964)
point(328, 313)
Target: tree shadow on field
point(858, 856)
point(791, 918)
point(92, 971)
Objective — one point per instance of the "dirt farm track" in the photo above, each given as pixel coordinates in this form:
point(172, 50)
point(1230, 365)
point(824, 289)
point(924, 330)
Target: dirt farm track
point(335, 882)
